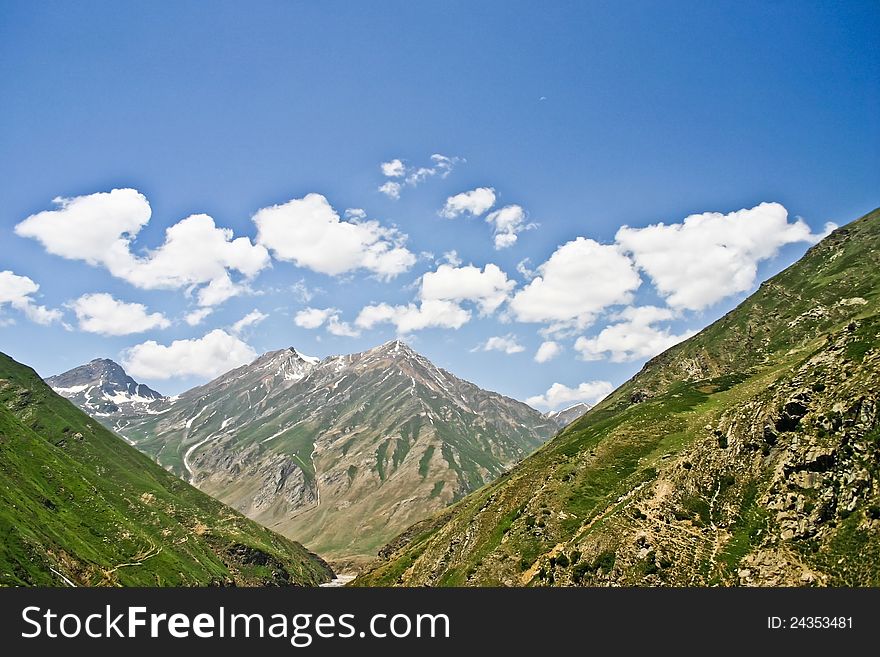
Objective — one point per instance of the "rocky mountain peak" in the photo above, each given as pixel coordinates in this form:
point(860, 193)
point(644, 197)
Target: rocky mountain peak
point(100, 386)
point(395, 349)
point(568, 415)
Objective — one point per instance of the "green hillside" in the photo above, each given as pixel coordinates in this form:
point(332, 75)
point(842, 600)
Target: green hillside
point(746, 455)
point(78, 506)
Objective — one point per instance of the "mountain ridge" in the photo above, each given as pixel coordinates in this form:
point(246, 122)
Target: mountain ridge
point(80, 507)
point(102, 386)
point(341, 452)
point(745, 455)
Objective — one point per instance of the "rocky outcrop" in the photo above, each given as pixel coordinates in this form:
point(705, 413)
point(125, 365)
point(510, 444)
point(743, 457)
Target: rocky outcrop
point(748, 454)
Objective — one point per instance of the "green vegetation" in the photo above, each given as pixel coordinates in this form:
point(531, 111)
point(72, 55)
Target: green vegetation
point(79, 505)
point(741, 455)
point(425, 461)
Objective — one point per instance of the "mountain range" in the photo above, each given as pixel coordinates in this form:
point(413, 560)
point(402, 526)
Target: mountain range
point(80, 507)
point(342, 453)
point(748, 454)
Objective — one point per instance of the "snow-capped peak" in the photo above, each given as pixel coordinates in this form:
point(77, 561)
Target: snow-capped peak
point(312, 360)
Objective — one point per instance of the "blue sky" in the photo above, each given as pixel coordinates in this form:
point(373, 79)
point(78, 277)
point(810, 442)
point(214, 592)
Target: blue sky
point(580, 117)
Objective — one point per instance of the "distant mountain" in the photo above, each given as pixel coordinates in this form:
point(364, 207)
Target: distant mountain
point(101, 387)
point(568, 415)
point(746, 455)
point(79, 507)
point(342, 453)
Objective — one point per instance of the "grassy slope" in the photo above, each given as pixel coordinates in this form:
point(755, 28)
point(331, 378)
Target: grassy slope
point(74, 498)
point(587, 491)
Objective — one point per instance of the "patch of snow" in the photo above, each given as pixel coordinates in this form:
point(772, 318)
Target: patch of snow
point(190, 451)
point(190, 421)
point(72, 390)
point(126, 398)
point(312, 360)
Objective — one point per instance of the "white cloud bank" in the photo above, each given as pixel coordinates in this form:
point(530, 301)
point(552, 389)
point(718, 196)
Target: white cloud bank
point(441, 295)
point(488, 288)
point(633, 337)
point(18, 292)
point(433, 313)
point(309, 233)
point(558, 395)
point(709, 256)
point(474, 202)
point(577, 282)
point(99, 229)
point(209, 356)
point(101, 313)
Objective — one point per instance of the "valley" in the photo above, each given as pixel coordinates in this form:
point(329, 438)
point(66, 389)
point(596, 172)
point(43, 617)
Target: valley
point(341, 453)
point(747, 455)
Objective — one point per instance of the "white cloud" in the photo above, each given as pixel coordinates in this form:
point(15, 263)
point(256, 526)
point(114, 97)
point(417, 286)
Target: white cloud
point(488, 288)
point(505, 343)
point(96, 228)
point(302, 292)
point(451, 258)
point(197, 316)
point(390, 189)
point(393, 169)
point(18, 292)
point(101, 313)
point(335, 326)
point(312, 318)
point(99, 229)
point(547, 351)
point(579, 280)
point(251, 319)
point(409, 318)
point(508, 222)
point(474, 202)
point(355, 213)
point(710, 256)
point(209, 356)
point(441, 166)
point(632, 338)
point(219, 290)
point(523, 268)
point(558, 395)
point(309, 233)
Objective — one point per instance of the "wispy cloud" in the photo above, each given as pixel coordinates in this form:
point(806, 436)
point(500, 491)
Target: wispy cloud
point(401, 174)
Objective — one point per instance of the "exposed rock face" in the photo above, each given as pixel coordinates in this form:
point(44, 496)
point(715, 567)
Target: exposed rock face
point(343, 453)
point(102, 387)
point(748, 454)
